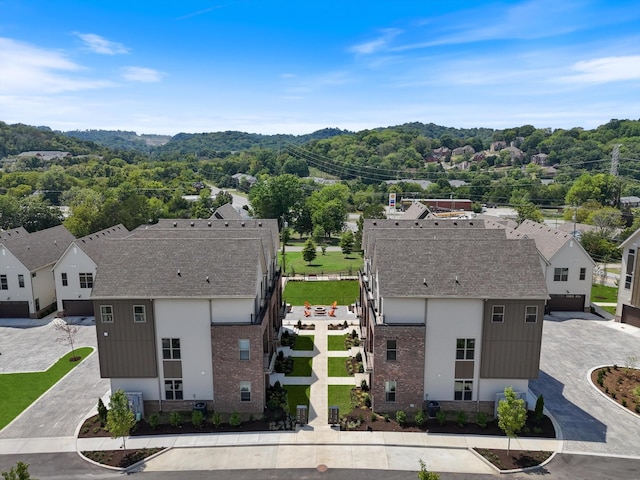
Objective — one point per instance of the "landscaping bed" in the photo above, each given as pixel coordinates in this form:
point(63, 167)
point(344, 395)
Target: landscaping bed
point(120, 458)
point(514, 459)
point(621, 384)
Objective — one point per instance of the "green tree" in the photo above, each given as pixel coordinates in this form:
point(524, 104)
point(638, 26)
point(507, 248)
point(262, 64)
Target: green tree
point(9, 212)
point(19, 472)
point(309, 251)
point(120, 419)
point(277, 197)
point(606, 220)
point(512, 415)
point(601, 187)
point(346, 242)
point(330, 216)
point(37, 214)
point(222, 198)
point(425, 474)
point(528, 211)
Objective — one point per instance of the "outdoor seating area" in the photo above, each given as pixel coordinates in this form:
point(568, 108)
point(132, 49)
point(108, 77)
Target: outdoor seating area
point(320, 310)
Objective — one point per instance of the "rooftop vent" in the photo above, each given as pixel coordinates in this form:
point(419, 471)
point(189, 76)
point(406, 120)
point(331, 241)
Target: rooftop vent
point(226, 224)
point(208, 224)
point(242, 224)
point(179, 274)
point(175, 224)
point(207, 279)
point(259, 224)
point(192, 224)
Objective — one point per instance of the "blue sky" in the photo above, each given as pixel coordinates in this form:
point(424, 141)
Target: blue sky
point(298, 66)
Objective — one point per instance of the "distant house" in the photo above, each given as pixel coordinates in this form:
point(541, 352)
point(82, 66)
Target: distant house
point(424, 184)
point(458, 183)
point(75, 271)
point(440, 154)
point(27, 286)
point(227, 212)
point(44, 155)
point(516, 153)
point(497, 146)
point(467, 149)
point(567, 267)
point(478, 157)
point(417, 210)
point(540, 158)
point(239, 178)
point(630, 202)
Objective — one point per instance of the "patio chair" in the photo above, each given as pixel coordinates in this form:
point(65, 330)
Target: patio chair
point(307, 304)
point(332, 312)
point(307, 313)
point(334, 304)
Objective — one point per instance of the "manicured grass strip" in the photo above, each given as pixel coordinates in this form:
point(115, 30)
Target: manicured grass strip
point(297, 395)
point(345, 292)
point(340, 396)
point(301, 367)
point(329, 263)
point(337, 367)
point(602, 293)
point(611, 310)
point(304, 342)
point(336, 342)
point(19, 390)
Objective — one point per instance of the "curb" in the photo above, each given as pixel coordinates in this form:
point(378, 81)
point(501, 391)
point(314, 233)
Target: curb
point(604, 394)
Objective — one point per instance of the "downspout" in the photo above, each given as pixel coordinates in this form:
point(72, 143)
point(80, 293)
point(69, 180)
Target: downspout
point(158, 359)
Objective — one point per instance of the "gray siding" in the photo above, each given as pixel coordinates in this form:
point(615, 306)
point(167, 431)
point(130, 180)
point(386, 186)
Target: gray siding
point(511, 349)
point(129, 349)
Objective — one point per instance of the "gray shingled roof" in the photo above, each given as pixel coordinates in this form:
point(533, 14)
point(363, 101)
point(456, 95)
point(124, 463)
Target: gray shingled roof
point(416, 211)
point(226, 211)
point(548, 240)
point(39, 249)
point(92, 244)
point(495, 268)
point(12, 233)
point(178, 268)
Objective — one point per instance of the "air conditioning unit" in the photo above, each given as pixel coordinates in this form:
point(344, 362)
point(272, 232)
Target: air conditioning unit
point(136, 404)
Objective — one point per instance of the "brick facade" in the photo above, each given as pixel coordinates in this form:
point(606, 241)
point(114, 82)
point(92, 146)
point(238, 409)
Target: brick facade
point(407, 370)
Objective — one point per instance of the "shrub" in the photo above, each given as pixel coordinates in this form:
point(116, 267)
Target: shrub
point(358, 357)
point(613, 395)
point(216, 419)
point(354, 334)
point(102, 412)
point(481, 419)
point(636, 393)
point(360, 368)
point(401, 417)
point(374, 416)
point(638, 408)
point(461, 419)
point(600, 381)
point(537, 430)
point(345, 325)
point(235, 420)
point(624, 402)
point(424, 474)
point(197, 417)
point(441, 417)
point(299, 324)
point(364, 386)
point(538, 413)
point(386, 417)
point(367, 401)
point(420, 418)
point(175, 419)
point(154, 420)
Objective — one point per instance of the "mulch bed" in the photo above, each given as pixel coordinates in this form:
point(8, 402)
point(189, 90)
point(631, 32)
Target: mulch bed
point(515, 458)
point(619, 384)
point(120, 458)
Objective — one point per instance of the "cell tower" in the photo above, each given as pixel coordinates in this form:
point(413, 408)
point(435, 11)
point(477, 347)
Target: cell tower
point(615, 160)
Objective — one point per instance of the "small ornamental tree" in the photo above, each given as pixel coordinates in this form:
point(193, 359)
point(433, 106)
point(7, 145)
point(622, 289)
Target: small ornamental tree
point(512, 415)
point(102, 412)
point(346, 242)
point(425, 474)
point(68, 334)
point(19, 472)
point(120, 418)
point(538, 413)
point(309, 251)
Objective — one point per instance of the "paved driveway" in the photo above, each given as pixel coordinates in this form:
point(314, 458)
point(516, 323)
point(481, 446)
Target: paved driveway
point(570, 348)
point(30, 345)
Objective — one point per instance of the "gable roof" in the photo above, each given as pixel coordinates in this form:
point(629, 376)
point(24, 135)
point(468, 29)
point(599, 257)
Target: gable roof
point(39, 249)
point(548, 240)
point(91, 244)
point(226, 211)
point(417, 210)
point(12, 233)
point(178, 268)
point(468, 268)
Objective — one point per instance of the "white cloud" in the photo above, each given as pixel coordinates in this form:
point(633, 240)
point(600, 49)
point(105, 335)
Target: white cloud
point(605, 70)
point(199, 12)
point(141, 74)
point(28, 69)
point(98, 44)
point(378, 44)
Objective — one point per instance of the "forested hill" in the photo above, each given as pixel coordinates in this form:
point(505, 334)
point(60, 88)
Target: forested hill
point(120, 139)
point(19, 138)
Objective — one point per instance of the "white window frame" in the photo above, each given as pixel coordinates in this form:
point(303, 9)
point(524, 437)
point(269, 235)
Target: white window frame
point(64, 279)
point(529, 315)
point(390, 390)
point(175, 390)
point(628, 277)
point(245, 392)
point(4, 282)
point(139, 316)
point(86, 279)
point(244, 349)
point(561, 274)
point(583, 273)
point(467, 349)
point(463, 389)
point(392, 350)
point(497, 317)
point(174, 352)
point(20, 280)
point(106, 313)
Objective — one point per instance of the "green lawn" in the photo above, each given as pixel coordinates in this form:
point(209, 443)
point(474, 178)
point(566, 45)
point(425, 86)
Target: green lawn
point(304, 342)
point(336, 342)
point(603, 293)
point(297, 395)
point(340, 396)
point(345, 292)
point(19, 390)
point(330, 262)
point(337, 367)
point(301, 367)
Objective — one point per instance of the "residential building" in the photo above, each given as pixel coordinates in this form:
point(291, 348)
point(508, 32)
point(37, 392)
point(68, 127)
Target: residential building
point(227, 212)
point(75, 271)
point(568, 268)
point(190, 311)
point(27, 286)
point(450, 311)
point(628, 307)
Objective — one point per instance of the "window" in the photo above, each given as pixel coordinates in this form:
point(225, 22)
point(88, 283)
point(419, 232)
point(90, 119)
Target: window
point(465, 348)
point(583, 273)
point(392, 350)
point(243, 346)
point(4, 284)
point(86, 280)
point(173, 389)
point(628, 278)
point(390, 391)
point(65, 281)
point(139, 314)
point(21, 281)
point(171, 349)
point(106, 313)
point(497, 314)
point(531, 314)
point(245, 391)
point(560, 274)
point(463, 390)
